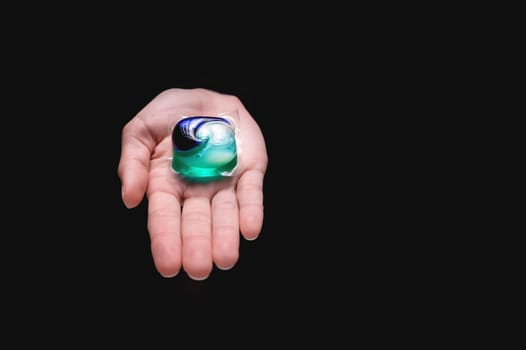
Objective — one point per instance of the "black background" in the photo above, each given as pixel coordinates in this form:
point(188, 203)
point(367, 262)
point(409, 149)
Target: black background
point(79, 243)
point(327, 248)
point(358, 241)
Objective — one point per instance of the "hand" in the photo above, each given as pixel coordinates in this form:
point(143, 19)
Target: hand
point(192, 225)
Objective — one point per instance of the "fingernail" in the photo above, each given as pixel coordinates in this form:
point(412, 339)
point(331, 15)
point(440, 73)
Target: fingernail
point(225, 268)
point(197, 278)
point(122, 196)
point(170, 276)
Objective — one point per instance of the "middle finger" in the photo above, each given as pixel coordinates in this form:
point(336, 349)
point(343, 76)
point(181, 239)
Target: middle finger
point(196, 234)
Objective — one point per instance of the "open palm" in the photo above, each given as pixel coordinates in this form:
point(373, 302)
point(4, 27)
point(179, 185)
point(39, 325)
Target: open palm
point(192, 225)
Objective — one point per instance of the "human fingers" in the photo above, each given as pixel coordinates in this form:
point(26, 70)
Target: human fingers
point(196, 233)
point(225, 229)
point(164, 222)
point(136, 149)
point(250, 199)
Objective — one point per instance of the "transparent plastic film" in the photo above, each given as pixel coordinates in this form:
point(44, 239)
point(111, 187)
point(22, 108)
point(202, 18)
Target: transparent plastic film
point(206, 147)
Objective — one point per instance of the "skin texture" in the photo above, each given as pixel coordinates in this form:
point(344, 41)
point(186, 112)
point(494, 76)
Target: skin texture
point(192, 225)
